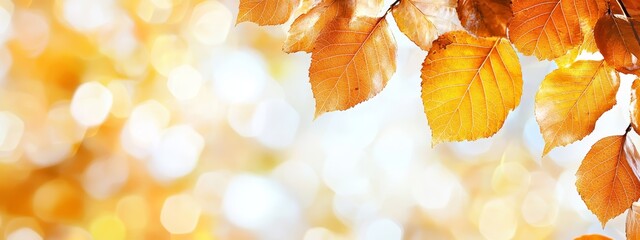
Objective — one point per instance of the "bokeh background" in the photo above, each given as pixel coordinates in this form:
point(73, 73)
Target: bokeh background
point(162, 119)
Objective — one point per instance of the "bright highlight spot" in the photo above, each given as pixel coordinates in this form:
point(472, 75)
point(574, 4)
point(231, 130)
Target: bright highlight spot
point(91, 104)
point(180, 214)
point(184, 82)
point(11, 130)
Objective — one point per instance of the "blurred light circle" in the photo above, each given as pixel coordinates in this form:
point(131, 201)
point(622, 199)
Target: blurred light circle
point(108, 227)
point(383, 229)
point(177, 153)
point(144, 128)
point(184, 82)
point(58, 200)
point(538, 209)
point(11, 130)
point(276, 122)
point(91, 104)
point(180, 214)
point(498, 220)
point(24, 234)
point(32, 30)
point(344, 174)
point(510, 177)
point(134, 211)
point(122, 105)
point(318, 233)
point(240, 118)
point(105, 177)
point(300, 179)
point(6, 12)
point(209, 190)
point(85, 15)
point(435, 188)
point(393, 152)
point(169, 52)
point(348, 131)
point(155, 11)
point(244, 84)
point(210, 22)
point(257, 203)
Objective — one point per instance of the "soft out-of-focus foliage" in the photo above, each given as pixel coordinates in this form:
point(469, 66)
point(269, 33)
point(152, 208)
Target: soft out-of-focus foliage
point(152, 119)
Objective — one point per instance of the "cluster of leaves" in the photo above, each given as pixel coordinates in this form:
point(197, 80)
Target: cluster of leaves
point(471, 77)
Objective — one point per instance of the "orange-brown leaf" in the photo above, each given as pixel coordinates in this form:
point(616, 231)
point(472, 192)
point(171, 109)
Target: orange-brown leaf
point(571, 100)
point(617, 42)
point(351, 62)
point(485, 18)
point(590, 11)
point(423, 20)
point(635, 106)
point(605, 180)
point(593, 237)
point(545, 28)
point(305, 29)
point(266, 12)
point(633, 7)
point(633, 222)
point(469, 86)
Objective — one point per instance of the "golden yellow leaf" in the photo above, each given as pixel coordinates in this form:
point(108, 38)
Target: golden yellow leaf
point(570, 101)
point(485, 18)
point(617, 42)
point(306, 28)
point(423, 20)
point(593, 237)
point(590, 11)
point(605, 180)
point(266, 12)
point(633, 222)
point(469, 86)
point(545, 28)
point(352, 61)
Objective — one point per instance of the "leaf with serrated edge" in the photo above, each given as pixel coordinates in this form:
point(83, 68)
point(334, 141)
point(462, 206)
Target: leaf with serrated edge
point(306, 28)
point(469, 85)
point(266, 12)
point(617, 43)
point(570, 101)
point(605, 180)
point(545, 28)
point(351, 62)
point(633, 222)
point(422, 21)
point(485, 18)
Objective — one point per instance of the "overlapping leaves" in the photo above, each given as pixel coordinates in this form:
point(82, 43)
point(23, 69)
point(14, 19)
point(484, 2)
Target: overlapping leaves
point(471, 77)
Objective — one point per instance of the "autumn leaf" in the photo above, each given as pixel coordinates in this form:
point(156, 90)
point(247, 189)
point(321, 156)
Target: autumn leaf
point(632, 6)
point(605, 180)
point(423, 20)
point(266, 12)
point(617, 42)
point(351, 62)
point(633, 222)
point(485, 18)
point(469, 86)
point(546, 29)
point(571, 100)
point(593, 237)
point(590, 11)
point(306, 28)
point(635, 106)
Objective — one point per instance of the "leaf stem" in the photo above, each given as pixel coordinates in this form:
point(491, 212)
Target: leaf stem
point(628, 129)
point(630, 19)
point(396, 2)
